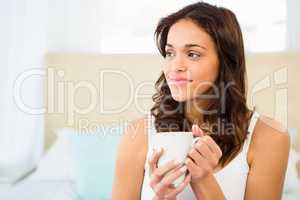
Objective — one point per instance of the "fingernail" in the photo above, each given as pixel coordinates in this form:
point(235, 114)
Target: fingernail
point(177, 162)
point(159, 150)
point(183, 169)
point(153, 150)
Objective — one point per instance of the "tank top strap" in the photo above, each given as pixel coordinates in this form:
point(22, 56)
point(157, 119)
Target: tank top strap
point(150, 129)
point(150, 132)
point(251, 127)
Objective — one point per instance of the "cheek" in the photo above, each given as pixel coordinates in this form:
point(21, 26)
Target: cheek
point(204, 78)
point(205, 74)
point(164, 69)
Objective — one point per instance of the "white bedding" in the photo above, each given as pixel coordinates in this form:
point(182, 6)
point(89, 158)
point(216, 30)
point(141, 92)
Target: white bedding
point(54, 178)
point(39, 190)
point(291, 195)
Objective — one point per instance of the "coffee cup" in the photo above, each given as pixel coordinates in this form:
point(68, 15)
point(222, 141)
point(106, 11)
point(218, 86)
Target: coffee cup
point(176, 146)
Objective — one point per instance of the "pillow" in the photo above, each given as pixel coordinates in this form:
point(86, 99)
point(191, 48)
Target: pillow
point(293, 137)
point(57, 163)
point(94, 154)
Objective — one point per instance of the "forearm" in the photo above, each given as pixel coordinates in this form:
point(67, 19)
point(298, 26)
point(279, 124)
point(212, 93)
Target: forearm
point(208, 189)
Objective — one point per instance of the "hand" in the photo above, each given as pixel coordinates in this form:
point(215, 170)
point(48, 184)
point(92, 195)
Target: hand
point(162, 178)
point(203, 157)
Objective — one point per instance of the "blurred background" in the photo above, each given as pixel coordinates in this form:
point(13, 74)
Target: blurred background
point(70, 65)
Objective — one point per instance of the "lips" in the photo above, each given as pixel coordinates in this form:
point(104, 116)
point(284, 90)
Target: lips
point(177, 80)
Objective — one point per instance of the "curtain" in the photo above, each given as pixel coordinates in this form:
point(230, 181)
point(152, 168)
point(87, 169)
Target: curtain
point(23, 39)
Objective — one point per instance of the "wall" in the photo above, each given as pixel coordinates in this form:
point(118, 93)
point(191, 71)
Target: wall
point(273, 88)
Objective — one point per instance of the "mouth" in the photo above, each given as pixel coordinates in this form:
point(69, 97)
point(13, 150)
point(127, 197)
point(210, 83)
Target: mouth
point(179, 82)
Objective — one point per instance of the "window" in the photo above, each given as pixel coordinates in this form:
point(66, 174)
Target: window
point(129, 27)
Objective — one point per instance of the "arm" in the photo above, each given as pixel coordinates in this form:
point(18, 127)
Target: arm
point(270, 150)
point(267, 157)
point(129, 172)
point(201, 162)
point(208, 188)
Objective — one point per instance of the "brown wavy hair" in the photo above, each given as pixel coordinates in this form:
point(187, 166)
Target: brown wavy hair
point(230, 108)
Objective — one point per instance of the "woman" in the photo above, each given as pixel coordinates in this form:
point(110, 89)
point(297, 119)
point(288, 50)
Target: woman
point(240, 155)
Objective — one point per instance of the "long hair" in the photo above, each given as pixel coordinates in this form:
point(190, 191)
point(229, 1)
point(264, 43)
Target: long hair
point(231, 108)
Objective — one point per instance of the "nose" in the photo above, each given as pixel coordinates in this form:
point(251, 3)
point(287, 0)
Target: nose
point(178, 64)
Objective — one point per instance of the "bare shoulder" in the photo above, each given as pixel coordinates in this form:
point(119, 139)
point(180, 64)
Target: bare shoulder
point(267, 158)
point(271, 131)
point(269, 136)
point(131, 156)
point(134, 138)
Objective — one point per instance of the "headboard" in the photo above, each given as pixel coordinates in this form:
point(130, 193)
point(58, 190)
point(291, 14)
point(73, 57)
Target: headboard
point(86, 90)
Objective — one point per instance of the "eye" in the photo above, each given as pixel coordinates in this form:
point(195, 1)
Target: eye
point(194, 55)
point(169, 54)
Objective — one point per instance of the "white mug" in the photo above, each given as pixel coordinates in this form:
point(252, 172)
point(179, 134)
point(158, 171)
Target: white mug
point(176, 146)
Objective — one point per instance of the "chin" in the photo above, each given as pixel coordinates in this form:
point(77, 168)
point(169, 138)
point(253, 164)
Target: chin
point(179, 98)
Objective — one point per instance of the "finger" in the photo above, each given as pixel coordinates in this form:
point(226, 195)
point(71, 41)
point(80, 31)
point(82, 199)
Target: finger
point(167, 181)
point(180, 187)
point(197, 131)
point(213, 146)
point(154, 159)
point(193, 168)
point(164, 169)
point(204, 149)
point(197, 157)
point(161, 171)
point(173, 175)
point(200, 130)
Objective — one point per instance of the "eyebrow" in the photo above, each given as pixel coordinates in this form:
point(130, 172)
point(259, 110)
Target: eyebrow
point(188, 46)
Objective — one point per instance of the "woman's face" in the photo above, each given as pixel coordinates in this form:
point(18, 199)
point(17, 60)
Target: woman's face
point(191, 65)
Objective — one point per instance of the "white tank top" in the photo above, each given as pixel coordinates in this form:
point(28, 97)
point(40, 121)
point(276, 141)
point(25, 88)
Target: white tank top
point(232, 178)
